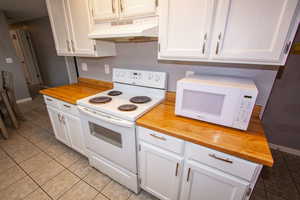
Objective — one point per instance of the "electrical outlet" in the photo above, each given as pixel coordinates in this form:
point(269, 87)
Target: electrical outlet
point(106, 69)
point(189, 73)
point(9, 60)
point(84, 67)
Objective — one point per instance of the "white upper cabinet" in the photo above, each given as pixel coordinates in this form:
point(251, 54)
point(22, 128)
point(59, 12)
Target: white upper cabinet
point(253, 30)
point(131, 8)
point(71, 24)
point(228, 31)
point(103, 10)
point(185, 28)
point(58, 19)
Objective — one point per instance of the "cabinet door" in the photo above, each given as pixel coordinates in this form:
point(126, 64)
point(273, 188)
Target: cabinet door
point(58, 19)
point(252, 31)
point(160, 171)
point(80, 26)
point(131, 8)
point(58, 127)
point(184, 29)
point(105, 10)
point(74, 131)
point(203, 182)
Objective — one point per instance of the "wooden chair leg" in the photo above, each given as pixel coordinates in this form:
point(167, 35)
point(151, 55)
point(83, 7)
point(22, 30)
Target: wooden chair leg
point(9, 109)
point(14, 105)
point(3, 128)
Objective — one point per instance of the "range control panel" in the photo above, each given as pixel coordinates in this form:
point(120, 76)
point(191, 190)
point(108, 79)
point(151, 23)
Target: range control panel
point(140, 78)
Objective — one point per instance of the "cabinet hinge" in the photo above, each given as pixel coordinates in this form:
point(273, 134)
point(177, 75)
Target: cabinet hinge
point(287, 47)
point(140, 180)
point(156, 3)
point(249, 190)
point(158, 47)
point(95, 48)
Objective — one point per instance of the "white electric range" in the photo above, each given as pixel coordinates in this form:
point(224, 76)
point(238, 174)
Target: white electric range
point(108, 121)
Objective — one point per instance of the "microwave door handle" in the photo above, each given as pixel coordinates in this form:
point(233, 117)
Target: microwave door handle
point(106, 118)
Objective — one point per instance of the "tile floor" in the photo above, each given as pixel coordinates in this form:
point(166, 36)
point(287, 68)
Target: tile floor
point(35, 166)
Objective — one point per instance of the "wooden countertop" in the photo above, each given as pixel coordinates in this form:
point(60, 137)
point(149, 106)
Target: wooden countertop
point(251, 145)
point(71, 93)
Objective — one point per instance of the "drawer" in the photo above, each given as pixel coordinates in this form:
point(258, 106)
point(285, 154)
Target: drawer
point(224, 162)
point(69, 108)
point(52, 101)
point(161, 140)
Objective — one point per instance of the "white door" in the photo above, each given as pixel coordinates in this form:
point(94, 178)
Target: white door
point(131, 8)
point(74, 131)
point(160, 171)
point(252, 30)
point(184, 29)
point(104, 10)
point(80, 25)
point(58, 19)
point(58, 126)
point(202, 182)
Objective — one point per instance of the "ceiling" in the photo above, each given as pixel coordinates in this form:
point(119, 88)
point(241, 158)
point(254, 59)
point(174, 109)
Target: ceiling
point(20, 10)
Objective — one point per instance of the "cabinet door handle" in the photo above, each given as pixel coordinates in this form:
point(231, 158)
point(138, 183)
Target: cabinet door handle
point(222, 159)
point(188, 175)
point(176, 172)
point(218, 43)
point(48, 99)
point(67, 106)
point(121, 5)
point(68, 45)
point(113, 6)
point(158, 137)
point(59, 117)
point(72, 44)
point(204, 43)
point(63, 119)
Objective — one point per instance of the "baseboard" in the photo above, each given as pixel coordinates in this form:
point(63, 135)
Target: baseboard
point(24, 100)
point(285, 149)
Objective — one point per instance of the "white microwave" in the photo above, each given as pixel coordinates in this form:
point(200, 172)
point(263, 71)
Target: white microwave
point(227, 101)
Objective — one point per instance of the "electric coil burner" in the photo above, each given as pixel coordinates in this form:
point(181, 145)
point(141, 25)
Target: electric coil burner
point(100, 100)
point(127, 107)
point(140, 99)
point(114, 93)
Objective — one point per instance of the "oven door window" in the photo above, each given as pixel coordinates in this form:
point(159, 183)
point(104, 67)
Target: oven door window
point(106, 135)
point(203, 102)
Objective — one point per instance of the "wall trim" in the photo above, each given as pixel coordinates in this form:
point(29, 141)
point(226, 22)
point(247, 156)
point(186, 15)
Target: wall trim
point(285, 149)
point(24, 100)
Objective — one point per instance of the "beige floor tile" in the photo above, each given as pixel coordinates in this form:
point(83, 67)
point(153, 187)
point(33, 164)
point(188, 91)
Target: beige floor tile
point(81, 191)
point(81, 168)
point(57, 149)
point(60, 184)
point(39, 136)
point(36, 162)
point(116, 191)
point(46, 172)
point(68, 158)
point(100, 197)
point(18, 190)
point(6, 163)
point(2, 154)
point(24, 154)
point(97, 179)
point(46, 144)
point(10, 176)
point(37, 195)
point(142, 196)
point(14, 143)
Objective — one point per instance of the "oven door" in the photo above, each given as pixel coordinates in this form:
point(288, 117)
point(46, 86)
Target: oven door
point(110, 137)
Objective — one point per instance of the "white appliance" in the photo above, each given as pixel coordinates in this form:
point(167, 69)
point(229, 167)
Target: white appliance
point(227, 101)
point(110, 133)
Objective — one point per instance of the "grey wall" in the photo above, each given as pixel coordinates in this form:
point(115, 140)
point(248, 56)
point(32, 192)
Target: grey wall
point(282, 116)
point(7, 50)
point(144, 56)
point(53, 68)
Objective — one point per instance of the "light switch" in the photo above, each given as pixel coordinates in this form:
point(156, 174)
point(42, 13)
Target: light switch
point(9, 60)
point(84, 67)
point(106, 69)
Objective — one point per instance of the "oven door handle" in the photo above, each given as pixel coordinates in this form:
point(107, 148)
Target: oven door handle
point(106, 118)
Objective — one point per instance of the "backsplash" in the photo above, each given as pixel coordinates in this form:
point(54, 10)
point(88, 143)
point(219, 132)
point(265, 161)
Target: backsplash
point(143, 56)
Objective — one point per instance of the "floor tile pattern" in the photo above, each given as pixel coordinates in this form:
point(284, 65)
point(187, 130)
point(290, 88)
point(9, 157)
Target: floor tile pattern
point(35, 166)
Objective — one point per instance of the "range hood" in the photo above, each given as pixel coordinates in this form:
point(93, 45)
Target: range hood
point(129, 31)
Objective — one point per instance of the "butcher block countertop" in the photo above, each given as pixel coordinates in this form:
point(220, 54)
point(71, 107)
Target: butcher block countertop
point(73, 92)
point(250, 145)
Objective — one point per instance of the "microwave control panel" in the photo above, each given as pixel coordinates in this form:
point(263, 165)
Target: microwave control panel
point(244, 112)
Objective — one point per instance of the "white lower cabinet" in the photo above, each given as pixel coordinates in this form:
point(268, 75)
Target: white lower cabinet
point(203, 182)
point(160, 171)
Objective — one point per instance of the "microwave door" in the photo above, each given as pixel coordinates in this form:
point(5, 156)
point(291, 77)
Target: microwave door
point(208, 103)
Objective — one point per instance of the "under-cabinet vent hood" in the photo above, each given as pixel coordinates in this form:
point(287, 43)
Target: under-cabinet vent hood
point(126, 31)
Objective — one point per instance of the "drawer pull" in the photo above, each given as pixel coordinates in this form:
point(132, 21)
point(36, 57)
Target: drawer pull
point(177, 166)
point(222, 159)
point(188, 175)
point(49, 99)
point(67, 106)
point(158, 137)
